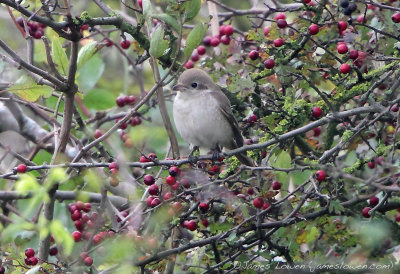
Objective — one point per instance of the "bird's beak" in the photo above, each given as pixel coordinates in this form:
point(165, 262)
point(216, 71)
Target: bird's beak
point(178, 87)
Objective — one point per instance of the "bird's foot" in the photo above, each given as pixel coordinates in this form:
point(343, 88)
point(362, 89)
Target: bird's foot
point(215, 155)
point(193, 158)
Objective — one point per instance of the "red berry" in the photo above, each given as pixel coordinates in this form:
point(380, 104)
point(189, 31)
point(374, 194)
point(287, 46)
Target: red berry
point(344, 68)
point(79, 224)
point(134, 121)
point(266, 31)
point(371, 164)
point(281, 23)
point(225, 40)
point(374, 201)
point(253, 55)
point(278, 42)
point(361, 19)
point(195, 56)
point(394, 108)
point(130, 100)
point(316, 112)
point(205, 222)
point(280, 16)
point(140, 2)
point(258, 202)
point(77, 236)
point(266, 205)
point(156, 201)
point(149, 200)
point(306, 1)
point(342, 25)
point(83, 255)
point(32, 261)
point(97, 239)
point(342, 48)
point(80, 205)
point(143, 159)
point(365, 212)
point(148, 180)
point(314, 29)
point(170, 180)
point(29, 252)
point(76, 215)
point(38, 33)
point(108, 42)
point(397, 217)
point(113, 165)
point(269, 63)
point(53, 251)
point(21, 168)
point(120, 101)
point(88, 261)
point(353, 54)
point(396, 17)
point(320, 175)
point(167, 196)
point(276, 185)
point(214, 41)
point(72, 207)
point(317, 131)
point(228, 30)
point(152, 156)
point(191, 225)
point(125, 44)
point(177, 206)
point(201, 50)
point(153, 189)
point(189, 64)
point(204, 206)
point(250, 191)
point(207, 41)
point(185, 183)
point(174, 171)
point(84, 27)
point(222, 30)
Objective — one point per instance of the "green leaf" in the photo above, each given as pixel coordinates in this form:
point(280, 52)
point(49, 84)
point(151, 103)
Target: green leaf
point(87, 52)
point(191, 9)
point(90, 73)
point(158, 45)
point(312, 235)
point(169, 20)
point(56, 175)
point(99, 99)
point(147, 8)
point(62, 236)
point(335, 207)
point(27, 89)
point(26, 183)
point(300, 177)
point(282, 161)
point(194, 38)
point(59, 56)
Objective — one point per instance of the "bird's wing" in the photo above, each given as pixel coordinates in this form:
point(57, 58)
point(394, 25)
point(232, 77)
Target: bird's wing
point(225, 108)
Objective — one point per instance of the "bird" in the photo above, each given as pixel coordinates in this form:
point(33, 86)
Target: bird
point(203, 115)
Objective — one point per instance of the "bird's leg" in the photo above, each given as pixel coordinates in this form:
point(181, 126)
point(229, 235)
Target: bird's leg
point(193, 158)
point(215, 154)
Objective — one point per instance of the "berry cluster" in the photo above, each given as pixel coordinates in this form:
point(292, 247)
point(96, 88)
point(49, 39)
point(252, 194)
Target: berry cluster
point(30, 258)
point(36, 30)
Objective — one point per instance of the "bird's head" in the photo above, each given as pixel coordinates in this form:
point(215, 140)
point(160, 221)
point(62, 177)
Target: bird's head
point(194, 81)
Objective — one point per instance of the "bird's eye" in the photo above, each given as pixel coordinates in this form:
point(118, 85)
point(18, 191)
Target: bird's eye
point(194, 85)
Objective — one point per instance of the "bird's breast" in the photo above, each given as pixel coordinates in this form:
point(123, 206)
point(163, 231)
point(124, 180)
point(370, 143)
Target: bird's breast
point(200, 122)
